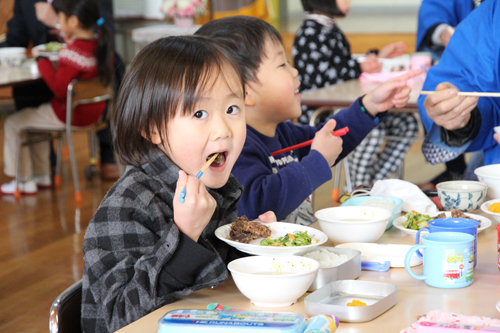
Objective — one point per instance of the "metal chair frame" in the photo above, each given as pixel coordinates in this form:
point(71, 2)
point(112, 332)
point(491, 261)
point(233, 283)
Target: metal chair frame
point(80, 91)
point(65, 312)
point(398, 173)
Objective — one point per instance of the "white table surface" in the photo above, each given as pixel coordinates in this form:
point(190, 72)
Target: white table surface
point(28, 72)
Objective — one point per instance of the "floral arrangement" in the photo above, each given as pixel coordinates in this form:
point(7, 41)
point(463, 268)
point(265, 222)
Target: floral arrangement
point(183, 8)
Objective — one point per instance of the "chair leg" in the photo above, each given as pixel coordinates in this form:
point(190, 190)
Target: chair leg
point(57, 176)
point(91, 170)
point(74, 168)
point(17, 193)
point(347, 175)
point(336, 181)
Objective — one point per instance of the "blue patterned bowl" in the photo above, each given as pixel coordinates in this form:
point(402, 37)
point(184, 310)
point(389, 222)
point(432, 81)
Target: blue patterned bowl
point(463, 195)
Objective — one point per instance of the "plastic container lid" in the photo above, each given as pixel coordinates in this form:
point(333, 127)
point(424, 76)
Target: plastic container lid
point(187, 321)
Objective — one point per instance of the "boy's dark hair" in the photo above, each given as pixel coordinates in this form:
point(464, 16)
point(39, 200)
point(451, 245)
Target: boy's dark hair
point(244, 37)
point(88, 13)
point(322, 6)
point(168, 76)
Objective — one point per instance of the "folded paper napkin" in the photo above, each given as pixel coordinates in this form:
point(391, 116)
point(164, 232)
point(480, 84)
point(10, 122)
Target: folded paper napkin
point(413, 198)
point(447, 317)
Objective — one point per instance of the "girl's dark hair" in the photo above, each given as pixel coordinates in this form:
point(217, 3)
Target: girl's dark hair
point(168, 76)
point(322, 6)
point(88, 13)
point(244, 37)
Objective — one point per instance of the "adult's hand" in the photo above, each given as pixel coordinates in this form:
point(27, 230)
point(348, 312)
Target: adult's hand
point(371, 64)
point(46, 14)
point(448, 110)
point(446, 35)
point(497, 137)
point(392, 50)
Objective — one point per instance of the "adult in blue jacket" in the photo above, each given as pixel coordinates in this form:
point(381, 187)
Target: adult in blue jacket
point(457, 124)
point(437, 21)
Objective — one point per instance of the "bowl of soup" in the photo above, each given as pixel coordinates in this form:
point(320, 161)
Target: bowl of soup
point(353, 224)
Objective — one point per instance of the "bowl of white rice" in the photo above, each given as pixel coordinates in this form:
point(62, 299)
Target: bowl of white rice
point(390, 203)
point(334, 264)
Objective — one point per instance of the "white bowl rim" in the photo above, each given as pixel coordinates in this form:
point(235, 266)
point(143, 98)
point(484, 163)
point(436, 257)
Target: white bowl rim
point(480, 171)
point(486, 204)
point(12, 51)
point(379, 219)
point(440, 186)
point(312, 270)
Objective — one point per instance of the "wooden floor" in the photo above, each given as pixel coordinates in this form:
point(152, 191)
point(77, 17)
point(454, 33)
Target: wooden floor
point(41, 246)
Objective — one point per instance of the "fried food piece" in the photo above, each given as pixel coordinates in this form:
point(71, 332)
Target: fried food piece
point(244, 231)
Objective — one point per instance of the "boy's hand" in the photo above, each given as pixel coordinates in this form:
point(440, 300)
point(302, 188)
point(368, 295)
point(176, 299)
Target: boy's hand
point(268, 217)
point(327, 144)
point(371, 64)
point(392, 93)
point(192, 216)
point(447, 109)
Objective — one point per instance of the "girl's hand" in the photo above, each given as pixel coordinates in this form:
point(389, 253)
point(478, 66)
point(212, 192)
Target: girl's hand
point(327, 144)
point(447, 109)
point(371, 64)
point(392, 50)
point(267, 217)
point(497, 137)
point(192, 216)
point(392, 93)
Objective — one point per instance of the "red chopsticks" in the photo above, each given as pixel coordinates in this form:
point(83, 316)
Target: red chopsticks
point(339, 132)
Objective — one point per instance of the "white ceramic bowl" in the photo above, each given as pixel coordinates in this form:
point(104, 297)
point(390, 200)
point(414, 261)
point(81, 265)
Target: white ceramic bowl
point(354, 224)
point(490, 174)
point(13, 56)
point(273, 281)
point(463, 195)
point(494, 216)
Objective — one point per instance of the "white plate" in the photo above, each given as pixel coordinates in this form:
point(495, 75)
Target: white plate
point(278, 229)
point(398, 223)
point(395, 253)
point(53, 56)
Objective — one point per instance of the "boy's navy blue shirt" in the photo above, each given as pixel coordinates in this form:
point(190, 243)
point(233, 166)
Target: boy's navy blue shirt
point(282, 183)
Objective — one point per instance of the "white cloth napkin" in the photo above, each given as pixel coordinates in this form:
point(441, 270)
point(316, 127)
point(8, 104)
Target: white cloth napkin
point(413, 198)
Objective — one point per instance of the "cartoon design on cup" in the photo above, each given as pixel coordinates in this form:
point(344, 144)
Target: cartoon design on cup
point(444, 259)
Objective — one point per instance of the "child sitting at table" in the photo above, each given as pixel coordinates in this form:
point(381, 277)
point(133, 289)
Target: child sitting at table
point(322, 55)
point(86, 56)
point(283, 183)
point(181, 101)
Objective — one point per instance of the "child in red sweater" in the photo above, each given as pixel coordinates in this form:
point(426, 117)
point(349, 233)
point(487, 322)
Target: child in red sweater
point(87, 55)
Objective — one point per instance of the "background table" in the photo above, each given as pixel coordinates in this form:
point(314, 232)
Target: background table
point(18, 76)
point(344, 94)
point(415, 298)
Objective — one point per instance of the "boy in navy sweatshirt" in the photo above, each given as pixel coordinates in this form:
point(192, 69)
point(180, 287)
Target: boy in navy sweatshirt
point(283, 183)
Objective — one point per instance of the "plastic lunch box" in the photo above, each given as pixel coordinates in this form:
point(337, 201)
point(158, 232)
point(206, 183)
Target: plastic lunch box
point(194, 321)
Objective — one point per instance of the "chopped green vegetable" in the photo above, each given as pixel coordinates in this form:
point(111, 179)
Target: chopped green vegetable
point(415, 220)
point(53, 47)
point(298, 238)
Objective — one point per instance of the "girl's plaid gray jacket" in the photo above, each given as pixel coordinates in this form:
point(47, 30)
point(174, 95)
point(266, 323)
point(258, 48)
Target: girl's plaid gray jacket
point(135, 258)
